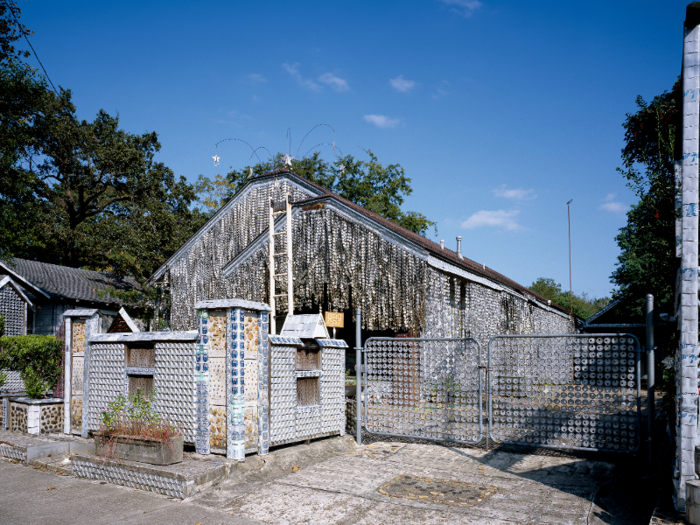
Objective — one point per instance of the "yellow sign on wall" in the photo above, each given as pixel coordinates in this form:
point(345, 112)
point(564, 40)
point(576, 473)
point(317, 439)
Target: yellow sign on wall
point(335, 319)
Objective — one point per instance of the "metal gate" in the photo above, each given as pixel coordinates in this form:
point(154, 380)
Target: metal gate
point(565, 391)
point(424, 388)
point(560, 391)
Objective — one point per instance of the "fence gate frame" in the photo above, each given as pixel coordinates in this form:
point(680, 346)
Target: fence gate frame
point(600, 341)
point(365, 371)
point(486, 398)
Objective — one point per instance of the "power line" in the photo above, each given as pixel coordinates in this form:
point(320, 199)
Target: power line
point(24, 34)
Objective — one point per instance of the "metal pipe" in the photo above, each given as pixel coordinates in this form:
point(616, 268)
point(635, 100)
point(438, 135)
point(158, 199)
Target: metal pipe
point(651, 379)
point(459, 246)
point(442, 244)
point(358, 374)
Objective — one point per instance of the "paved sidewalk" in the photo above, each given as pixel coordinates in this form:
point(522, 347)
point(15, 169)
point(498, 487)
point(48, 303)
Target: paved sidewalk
point(383, 483)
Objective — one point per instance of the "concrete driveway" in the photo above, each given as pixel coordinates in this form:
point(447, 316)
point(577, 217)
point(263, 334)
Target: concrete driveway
point(382, 483)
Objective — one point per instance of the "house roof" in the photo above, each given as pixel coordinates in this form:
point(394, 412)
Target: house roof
point(434, 249)
point(63, 282)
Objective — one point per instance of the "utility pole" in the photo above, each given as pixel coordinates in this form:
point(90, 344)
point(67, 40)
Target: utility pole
point(571, 292)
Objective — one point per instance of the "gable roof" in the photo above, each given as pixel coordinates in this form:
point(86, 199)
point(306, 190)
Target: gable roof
point(433, 249)
point(62, 282)
point(7, 281)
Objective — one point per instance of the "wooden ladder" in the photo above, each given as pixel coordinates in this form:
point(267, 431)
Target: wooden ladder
point(278, 208)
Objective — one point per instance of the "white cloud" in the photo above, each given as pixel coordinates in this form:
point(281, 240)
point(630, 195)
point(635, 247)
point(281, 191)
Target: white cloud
point(255, 78)
point(401, 84)
point(518, 194)
point(335, 82)
point(382, 121)
point(503, 219)
point(463, 8)
point(611, 205)
point(293, 70)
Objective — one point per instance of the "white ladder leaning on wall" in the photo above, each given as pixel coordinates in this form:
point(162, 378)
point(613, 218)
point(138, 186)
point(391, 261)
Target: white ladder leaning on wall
point(277, 208)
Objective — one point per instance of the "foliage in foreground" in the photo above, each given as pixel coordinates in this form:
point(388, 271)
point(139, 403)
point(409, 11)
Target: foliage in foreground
point(36, 357)
point(584, 306)
point(134, 416)
point(647, 262)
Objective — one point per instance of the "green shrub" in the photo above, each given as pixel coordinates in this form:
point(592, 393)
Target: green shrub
point(36, 357)
point(2, 327)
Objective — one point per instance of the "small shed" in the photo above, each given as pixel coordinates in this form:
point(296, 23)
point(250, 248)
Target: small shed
point(307, 381)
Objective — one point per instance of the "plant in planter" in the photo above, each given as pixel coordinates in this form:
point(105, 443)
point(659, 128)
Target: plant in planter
point(131, 429)
point(36, 357)
point(38, 360)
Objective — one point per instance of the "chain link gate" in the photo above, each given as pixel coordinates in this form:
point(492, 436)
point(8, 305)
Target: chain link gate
point(424, 388)
point(565, 391)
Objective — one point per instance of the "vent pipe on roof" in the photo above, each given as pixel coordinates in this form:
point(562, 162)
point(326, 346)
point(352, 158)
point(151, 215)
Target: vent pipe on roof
point(442, 244)
point(459, 246)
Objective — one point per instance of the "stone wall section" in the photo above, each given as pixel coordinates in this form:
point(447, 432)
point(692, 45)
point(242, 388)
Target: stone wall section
point(76, 414)
point(51, 418)
point(18, 417)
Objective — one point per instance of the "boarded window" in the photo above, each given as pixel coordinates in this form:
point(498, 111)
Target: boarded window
point(308, 391)
point(308, 359)
point(142, 383)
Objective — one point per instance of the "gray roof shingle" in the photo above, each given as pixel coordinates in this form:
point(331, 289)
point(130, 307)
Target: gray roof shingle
point(70, 283)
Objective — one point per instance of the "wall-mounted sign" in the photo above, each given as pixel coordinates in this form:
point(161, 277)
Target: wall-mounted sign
point(335, 319)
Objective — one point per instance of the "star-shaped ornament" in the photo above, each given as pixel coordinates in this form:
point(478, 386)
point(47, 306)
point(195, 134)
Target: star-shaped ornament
point(288, 160)
point(216, 160)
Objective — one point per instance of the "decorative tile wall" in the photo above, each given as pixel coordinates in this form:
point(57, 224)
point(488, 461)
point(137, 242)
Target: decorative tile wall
point(291, 422)
point(78, 342)
point(217, 334)
point(263, 376)
point(217, 427)
point(107, 378)
point(176, 390)
point(201, 370)
point(77, 375)
point(236, 385)
point(13, 310)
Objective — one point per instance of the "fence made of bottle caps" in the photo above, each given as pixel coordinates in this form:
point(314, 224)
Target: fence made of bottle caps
point(424, 388)
point(565, 391)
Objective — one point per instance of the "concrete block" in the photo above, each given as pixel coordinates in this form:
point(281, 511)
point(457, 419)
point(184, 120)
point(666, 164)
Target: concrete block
point(54, 449)
point(82, 448)
point(692, 501)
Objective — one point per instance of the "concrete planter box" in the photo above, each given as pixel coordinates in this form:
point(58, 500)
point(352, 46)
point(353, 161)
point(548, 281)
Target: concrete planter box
point(33, 416)
point(140, 449)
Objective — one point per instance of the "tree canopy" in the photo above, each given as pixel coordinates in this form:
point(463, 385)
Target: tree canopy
point(583, 306)
point(378, 188)
point(82, 193)
point(647, 261)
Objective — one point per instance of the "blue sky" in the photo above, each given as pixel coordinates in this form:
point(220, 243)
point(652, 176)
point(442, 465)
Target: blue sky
point(500, 111)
